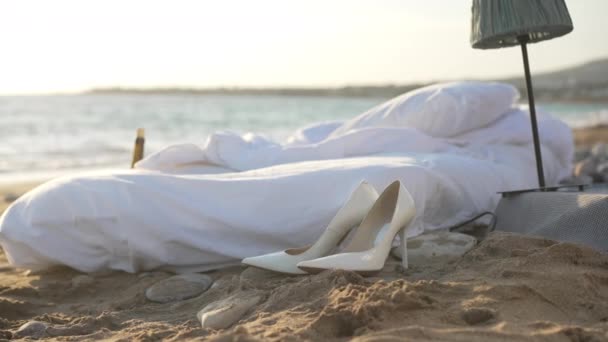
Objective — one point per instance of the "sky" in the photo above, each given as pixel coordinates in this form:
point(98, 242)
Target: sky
point(73, 45)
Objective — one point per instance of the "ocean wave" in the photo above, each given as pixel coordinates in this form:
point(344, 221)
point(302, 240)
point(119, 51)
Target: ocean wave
point(589, 119)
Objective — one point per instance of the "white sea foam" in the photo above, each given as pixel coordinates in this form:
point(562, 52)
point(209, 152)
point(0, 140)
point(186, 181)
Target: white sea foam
point(589, 119)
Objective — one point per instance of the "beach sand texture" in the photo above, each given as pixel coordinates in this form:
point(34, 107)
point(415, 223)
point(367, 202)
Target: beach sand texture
point(586, 137)
point(508, 288)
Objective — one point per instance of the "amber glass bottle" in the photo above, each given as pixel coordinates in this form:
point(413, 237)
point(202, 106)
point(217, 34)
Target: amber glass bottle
point(138, 151)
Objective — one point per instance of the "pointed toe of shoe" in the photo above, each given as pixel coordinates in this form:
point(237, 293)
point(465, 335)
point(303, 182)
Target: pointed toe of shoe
point(277, 262)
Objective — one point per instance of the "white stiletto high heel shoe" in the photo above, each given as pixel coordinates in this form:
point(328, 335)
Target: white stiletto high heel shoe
point(371, 243)
point(348, 217)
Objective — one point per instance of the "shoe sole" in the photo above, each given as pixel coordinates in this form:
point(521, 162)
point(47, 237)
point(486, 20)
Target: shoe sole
point(315, 270)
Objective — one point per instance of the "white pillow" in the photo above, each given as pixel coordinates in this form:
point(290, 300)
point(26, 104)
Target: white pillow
point(441, 110)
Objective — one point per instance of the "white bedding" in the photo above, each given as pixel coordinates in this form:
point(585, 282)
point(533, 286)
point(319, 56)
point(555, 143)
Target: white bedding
point(198, 208)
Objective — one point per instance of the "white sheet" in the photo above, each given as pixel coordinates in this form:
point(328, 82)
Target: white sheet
point(252, 151)
point(163, 216)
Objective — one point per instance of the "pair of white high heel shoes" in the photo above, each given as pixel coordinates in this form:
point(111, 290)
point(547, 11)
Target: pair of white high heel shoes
point(375, 219)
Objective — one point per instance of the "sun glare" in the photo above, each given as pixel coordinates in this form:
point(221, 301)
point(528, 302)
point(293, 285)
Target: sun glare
point(64, 46)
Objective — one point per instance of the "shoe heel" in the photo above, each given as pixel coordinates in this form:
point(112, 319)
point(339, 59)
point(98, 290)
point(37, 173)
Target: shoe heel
point(403, 247)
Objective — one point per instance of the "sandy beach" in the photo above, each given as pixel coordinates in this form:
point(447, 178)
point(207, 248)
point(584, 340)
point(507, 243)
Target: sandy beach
point(389, 160)
point(507, 288)
point(586, 137)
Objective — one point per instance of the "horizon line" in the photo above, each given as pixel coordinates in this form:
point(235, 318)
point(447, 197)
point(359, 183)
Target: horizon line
point(228, 88)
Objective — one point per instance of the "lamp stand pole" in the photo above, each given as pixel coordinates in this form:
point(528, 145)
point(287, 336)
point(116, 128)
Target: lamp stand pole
point(523, 40)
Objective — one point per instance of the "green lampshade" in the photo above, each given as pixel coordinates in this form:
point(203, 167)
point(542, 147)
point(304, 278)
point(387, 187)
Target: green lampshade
point(499, 23)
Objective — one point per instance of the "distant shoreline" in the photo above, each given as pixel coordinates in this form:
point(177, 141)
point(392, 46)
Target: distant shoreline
point(587, 82)
point(561, 95)
point(304, 92)
point(347, 91)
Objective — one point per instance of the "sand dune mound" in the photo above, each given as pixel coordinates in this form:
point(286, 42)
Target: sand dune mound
point(509, 287)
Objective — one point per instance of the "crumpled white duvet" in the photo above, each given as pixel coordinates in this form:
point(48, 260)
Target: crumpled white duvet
point(199, 208)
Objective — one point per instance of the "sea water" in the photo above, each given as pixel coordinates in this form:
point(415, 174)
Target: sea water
point(43, 136)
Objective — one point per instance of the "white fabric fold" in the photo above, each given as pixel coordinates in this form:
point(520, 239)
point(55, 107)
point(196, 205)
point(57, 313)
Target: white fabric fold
point(250, 151)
